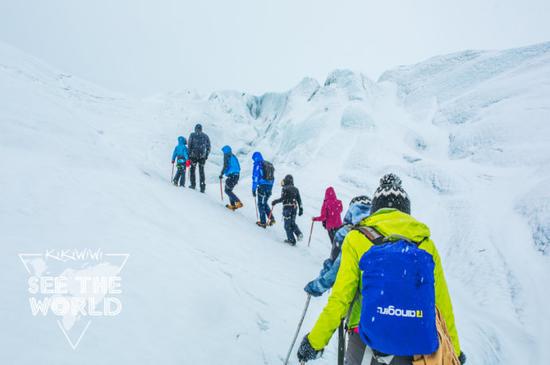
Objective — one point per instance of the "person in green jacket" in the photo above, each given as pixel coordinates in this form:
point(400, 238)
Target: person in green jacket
point(391, 216)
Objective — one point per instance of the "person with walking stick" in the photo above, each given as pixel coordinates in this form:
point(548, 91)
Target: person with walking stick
point(181, 157)
point(292, 206)
point(389, 249)
point(231, 169)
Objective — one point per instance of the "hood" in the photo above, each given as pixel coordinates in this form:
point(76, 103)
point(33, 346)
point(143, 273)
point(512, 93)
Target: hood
point(394, 222)
point(181, 140)
point(257, 157)
point(198, 128)
point(330, 194)
point(226, 149)
point(288, 181)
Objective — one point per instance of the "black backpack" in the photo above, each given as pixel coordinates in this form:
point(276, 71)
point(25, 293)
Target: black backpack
point(268, 170)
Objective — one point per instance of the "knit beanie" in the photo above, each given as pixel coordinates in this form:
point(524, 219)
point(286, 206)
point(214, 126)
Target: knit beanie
point(390, 194)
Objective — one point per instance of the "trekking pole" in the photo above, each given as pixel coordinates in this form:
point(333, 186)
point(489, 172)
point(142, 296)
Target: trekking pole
point(341, 343)
point(310, 233)
point(270, 215)
point(221, 191)
point(256, 205)
point(298, 329)
point(172, 176)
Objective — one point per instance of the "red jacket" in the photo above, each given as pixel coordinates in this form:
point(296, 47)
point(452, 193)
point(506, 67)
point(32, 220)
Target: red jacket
point(331, 210)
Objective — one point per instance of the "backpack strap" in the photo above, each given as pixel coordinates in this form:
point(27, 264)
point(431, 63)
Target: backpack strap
point(372, 234)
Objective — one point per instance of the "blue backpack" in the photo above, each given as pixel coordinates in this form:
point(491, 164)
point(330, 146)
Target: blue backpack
point(398, 315)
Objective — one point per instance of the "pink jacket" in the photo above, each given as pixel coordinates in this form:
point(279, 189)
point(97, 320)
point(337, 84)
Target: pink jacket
point(331, 210)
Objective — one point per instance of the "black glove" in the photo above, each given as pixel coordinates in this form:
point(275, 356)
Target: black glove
point(462, 358)
point(221, 177)
point(300, 211)
point(254, 193)
point(306, 352)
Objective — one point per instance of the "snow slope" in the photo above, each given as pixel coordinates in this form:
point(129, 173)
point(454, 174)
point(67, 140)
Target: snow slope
point(86, 168)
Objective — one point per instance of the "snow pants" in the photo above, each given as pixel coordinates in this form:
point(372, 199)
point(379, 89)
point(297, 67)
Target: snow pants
point(291, 228)
point(230, 183)
point(264, 192)
point(179, 179)
point(358, 354)
point(200, 162)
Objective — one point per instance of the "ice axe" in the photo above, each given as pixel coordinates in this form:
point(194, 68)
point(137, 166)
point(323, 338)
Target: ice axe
point(298, 330)
point(310, 233)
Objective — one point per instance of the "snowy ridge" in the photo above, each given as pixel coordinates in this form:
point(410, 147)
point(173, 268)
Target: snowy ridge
point(84, 167)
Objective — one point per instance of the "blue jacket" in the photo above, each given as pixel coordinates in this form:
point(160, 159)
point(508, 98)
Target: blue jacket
point(358, 210)
point(258, 172)
point(231, 164)
point(181, 150)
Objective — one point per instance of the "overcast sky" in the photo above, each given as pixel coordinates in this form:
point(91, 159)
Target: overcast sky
point(144, 47)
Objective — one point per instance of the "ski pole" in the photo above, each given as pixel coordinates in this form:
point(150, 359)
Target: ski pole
point(310, 233)
point(298, 329)
point(221, 191)
point(172, 176)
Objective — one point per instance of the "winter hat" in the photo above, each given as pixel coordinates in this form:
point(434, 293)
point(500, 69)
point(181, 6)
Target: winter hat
point(390, 194)
point(198, 128)
point(287, 181)
point(361, 199)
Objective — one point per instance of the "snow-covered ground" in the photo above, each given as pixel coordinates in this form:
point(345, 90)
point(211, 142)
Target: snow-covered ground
point(83, 167)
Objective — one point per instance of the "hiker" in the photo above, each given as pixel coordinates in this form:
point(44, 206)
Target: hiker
point(199, 149)
point(396, 314)
point(359, 209)
point(262, 185)
point(181, 157)
point(231, 169)
point(292, 204)
point(330, 213)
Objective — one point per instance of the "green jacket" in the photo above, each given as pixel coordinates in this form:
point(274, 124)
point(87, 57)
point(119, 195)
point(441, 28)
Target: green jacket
point(387, 222)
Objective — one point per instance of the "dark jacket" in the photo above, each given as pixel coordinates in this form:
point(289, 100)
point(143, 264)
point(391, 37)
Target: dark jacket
point(198, 144)
point(290, 195)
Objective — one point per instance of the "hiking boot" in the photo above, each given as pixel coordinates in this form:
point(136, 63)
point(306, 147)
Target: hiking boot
point(272, 222)
point(292, 243)
point(300, 236)
point(192, 187)
point(238, 205)
point(231, 207)
point(260, 224)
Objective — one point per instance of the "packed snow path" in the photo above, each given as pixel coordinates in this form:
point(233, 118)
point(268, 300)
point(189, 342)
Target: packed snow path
point(86, 168)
